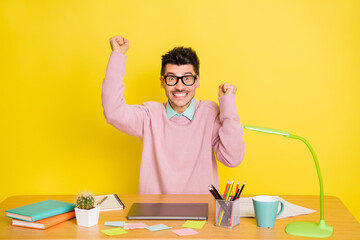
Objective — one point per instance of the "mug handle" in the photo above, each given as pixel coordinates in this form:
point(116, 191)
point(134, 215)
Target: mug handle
point(281, 209)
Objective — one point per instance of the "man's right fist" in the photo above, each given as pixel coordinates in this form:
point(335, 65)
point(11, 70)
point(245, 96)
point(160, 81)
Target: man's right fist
point(119, 44)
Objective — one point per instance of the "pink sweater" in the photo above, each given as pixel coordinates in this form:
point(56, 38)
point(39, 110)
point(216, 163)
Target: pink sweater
point(177, 154)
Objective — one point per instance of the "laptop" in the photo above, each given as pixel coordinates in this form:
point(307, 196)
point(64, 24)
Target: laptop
point(175, 211)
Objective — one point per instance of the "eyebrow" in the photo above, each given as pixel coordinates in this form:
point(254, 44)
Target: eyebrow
point(187, 73)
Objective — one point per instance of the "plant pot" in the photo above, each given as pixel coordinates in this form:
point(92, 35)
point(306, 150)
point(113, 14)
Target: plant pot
point(87, 218)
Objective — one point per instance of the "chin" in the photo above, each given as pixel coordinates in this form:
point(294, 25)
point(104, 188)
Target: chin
point(177, 105)
point(181, 103)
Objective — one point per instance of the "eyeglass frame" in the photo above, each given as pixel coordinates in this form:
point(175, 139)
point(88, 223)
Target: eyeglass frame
point(181, 78)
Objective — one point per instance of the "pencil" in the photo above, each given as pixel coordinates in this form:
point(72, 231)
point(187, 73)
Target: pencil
point(229, 190)
point(216, 192)
point(236, 190)
point(236, 195)
point(227, 185)
point(242, 188)
point(102, 200)
point(213, 193)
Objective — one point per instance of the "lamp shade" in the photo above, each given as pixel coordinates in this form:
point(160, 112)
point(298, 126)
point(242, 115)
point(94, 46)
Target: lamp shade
point(267, 130)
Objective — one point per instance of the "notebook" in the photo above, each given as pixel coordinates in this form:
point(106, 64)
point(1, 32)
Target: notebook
point(40, 210)
point(46, 222)
point(111, 203)
point(176, 211)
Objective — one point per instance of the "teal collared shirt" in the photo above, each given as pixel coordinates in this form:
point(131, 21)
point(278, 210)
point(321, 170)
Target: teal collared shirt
point(189, 112)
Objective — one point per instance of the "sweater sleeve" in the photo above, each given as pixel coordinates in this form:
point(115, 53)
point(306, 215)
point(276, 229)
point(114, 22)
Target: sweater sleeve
point(127, 118)
point(228, 133)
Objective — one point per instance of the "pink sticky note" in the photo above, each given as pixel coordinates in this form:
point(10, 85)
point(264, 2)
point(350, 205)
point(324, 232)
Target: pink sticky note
point(185, 231)
point(140, 225)
point(133, 226)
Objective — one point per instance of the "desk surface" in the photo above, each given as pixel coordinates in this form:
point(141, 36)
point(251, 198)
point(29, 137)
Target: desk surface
point(336, 215)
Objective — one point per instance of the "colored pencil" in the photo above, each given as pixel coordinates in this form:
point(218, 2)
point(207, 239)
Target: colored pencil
point(242, 188)
point(229, 190)
point(236, 190)
point(236, 194)
point(227, 185)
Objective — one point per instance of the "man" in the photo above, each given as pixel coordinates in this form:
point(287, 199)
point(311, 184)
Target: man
point(179, 137)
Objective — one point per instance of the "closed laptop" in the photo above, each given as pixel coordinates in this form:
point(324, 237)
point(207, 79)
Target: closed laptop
point(176, 211)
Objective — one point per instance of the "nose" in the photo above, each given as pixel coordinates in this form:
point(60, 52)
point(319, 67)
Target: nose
point(180, 85)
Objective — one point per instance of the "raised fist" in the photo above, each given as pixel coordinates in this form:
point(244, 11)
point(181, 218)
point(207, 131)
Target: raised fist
point(226, 88)
point(119, 44)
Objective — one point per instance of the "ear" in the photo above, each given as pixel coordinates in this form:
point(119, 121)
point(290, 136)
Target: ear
point(197, 82)
point(162, 82)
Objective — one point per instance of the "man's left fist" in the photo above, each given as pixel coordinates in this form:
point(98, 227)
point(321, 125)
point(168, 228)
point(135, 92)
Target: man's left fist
point(226, 88)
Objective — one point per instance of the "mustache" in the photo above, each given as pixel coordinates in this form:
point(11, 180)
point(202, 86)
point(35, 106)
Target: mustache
point(180, 91)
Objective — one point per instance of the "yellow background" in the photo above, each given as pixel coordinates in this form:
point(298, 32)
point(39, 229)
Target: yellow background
point(296, 65)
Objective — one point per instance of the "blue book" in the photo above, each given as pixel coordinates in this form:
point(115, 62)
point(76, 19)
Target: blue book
point(40, 210)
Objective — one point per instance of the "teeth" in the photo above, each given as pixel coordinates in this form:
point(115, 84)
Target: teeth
point(180, 94)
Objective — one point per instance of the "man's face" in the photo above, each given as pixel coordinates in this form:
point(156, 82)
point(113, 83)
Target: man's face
point(180, 95)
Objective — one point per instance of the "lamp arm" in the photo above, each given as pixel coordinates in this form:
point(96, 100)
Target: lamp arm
point(318, 172)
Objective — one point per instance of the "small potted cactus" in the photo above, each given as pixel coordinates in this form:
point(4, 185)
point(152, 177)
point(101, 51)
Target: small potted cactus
point(87, 214)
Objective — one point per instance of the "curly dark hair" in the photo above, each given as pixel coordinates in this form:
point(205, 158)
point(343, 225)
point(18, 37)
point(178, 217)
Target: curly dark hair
point(180, 56)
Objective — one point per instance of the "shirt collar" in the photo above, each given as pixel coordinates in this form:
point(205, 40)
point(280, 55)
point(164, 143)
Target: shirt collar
point(189, 112)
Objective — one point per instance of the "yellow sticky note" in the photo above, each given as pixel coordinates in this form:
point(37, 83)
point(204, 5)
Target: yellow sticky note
point(114, 231)
point(194, 224)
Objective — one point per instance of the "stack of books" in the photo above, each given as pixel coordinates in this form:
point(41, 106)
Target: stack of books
point(42, 215)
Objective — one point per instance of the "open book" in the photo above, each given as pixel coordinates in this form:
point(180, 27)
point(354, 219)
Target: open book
point(290, 210)
point(111, 203)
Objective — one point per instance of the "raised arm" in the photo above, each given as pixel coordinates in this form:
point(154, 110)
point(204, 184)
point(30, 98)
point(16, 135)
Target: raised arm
point(127, 118)
point(227, 134)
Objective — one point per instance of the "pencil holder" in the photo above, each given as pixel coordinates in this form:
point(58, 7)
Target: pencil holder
point(227, 213)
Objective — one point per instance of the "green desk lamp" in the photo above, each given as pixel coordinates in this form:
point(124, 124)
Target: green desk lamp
point(304, 229)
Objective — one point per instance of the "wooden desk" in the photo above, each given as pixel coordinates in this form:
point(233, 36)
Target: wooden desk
point(336, 215)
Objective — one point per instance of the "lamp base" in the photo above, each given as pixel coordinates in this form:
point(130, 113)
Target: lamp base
point(310, 229)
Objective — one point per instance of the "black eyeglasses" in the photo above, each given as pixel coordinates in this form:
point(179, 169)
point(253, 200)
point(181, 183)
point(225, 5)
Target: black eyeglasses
point(187, 80)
